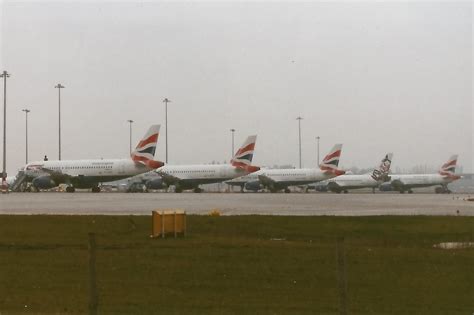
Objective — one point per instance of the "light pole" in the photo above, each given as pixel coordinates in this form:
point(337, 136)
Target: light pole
point(131, 122)
point(4, 75)
point(26, 133)
point(59, 87)
point(317, 139)
point(299, 135)
point(166, 101)
point(232, 153)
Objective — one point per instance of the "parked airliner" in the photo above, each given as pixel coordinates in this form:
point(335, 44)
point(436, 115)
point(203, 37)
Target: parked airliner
point(407, 182)
point(185, 177)
point(89, 173)
point(372, 180)
point(280, 179)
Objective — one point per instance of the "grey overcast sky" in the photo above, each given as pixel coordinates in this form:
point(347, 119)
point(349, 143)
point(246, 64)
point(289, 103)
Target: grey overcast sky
point(375, 76)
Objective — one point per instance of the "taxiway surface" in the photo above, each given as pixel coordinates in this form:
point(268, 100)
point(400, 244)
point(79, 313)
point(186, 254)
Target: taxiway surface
point(237, 204)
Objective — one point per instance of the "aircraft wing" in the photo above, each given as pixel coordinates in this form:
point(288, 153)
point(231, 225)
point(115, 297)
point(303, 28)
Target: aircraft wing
point(167, 178)
point(397, 184)
point(58, 177)
point(265, 180)
point(270, 183)
point(334, 187)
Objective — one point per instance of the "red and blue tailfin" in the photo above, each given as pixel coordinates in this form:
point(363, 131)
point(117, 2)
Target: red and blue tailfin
point(331, 161)
point(243, 157)
point(449, 168)
point(144, 153)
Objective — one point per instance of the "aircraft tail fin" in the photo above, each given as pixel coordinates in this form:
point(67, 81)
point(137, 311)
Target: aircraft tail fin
point(448, 169)
point(381, 173)
point(244, 155)
point(330, 162)
point(144, 153)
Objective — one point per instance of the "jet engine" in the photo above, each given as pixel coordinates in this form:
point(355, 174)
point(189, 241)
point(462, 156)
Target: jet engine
point(386, 187)
point(334, 187)
point(155, 184)
point(43, 182)
point(253, 186)
point(321, 187)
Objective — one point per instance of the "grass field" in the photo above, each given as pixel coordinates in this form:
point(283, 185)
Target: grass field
point(237, 265)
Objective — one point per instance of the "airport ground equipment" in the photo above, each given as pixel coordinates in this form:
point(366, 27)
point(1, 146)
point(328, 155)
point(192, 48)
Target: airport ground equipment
point(168, 222)
point(20, 181)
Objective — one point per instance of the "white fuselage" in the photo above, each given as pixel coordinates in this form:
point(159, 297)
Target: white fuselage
point(420, 180)
point(86, 173)
point(354, 181)
point(286, 177)
point(190, 176)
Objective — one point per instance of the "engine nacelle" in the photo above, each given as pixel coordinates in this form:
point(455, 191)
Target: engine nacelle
point(253, 186)
point(321, 187)
point(386, 187)
point(43, 182)
point(155, 184)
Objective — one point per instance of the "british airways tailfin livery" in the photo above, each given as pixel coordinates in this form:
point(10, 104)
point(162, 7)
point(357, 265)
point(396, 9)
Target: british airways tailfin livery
point(89, 173)
point(185, 177)
point(406, 182)
point(144, 153)
point(244, 155)
point(280, 179)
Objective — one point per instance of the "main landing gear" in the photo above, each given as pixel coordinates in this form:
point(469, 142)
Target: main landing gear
point(197, 190)
point(442, 190)
point(96, 189)
point(70, 189)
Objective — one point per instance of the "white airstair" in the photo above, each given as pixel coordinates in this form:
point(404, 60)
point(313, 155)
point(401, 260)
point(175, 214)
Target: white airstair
point(20, 182)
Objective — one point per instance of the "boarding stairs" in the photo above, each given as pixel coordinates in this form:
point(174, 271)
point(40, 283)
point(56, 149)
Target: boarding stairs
point(20, 182)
